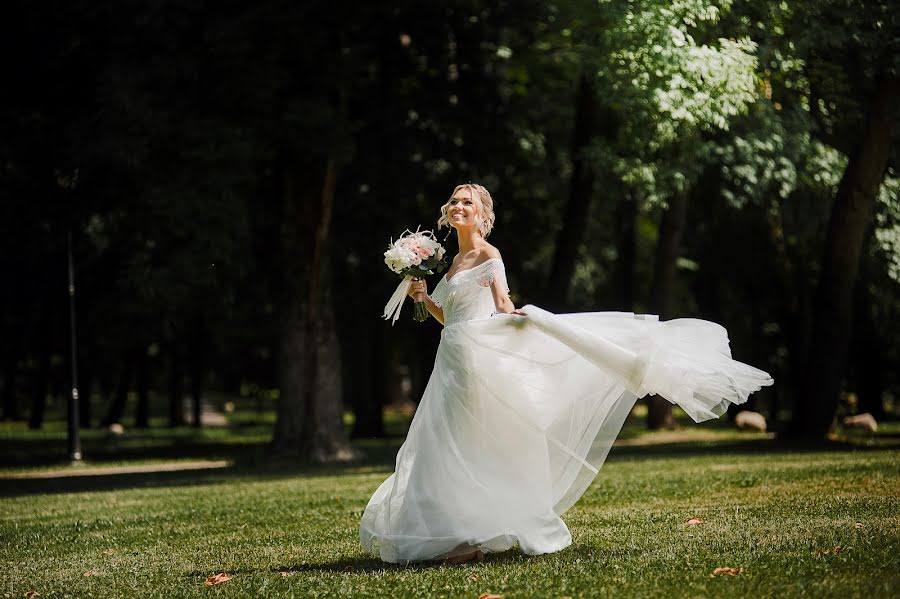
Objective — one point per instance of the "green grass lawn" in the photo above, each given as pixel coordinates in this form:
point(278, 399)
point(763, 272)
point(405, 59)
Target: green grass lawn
point(280, 531)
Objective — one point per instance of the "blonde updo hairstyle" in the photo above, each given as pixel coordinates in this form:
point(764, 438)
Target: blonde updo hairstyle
point(484, 203)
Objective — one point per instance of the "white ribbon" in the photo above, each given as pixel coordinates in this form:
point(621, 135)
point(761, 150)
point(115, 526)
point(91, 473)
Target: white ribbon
point(392, 307)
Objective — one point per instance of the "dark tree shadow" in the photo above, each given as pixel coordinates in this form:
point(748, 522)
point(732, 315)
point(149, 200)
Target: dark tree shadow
point(51, 452)
point(755, 447)
point(255, 462)
point(14, 487)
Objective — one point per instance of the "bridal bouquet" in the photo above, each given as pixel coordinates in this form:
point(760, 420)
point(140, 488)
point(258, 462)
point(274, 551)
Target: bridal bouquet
point(412, 255)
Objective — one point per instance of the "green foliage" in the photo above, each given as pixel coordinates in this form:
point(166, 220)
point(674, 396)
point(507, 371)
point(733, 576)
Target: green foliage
point(772, 155)
point(845, 49)
point(667, 74)
point(666, 82)
point(887, 227)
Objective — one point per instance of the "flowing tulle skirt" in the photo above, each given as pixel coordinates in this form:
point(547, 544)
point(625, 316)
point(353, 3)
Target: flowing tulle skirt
point(519, 415)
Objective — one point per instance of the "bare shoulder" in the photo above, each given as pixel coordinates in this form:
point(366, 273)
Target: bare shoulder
point(489, 252)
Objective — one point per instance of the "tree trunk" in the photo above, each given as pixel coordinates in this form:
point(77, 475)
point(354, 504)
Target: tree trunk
point(326, 434)
point(310, 412)
point(364, 365)
point(10, 372)
point(868, 350)
point(850, 219)
point(668, 249)
point(176, 382)
point(383, 374)
point(41, 383)
point(197, 360)
point(293, 348)
point(86, 391)
point(581, 189)
point(120, 395)
point(792, 277)
point(142, 413)
point(626, 245)
point(39, 396)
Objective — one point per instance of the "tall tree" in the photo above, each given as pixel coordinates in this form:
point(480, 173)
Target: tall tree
point(310, 407)
point(670, 83)
point(581, 190)
point(852, 52)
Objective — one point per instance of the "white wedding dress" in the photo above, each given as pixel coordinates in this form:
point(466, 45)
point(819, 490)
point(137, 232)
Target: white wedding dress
point(520, 413)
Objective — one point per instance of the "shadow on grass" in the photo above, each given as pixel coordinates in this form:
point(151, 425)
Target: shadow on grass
point(253, 461)
point(32, 452)
point(15, 487)
point(758, 446)
point(43, 452)
point(364, 564)
point(250, 461)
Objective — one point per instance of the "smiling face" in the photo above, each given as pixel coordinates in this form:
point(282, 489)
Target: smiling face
point(470, 205)
point(461, 209)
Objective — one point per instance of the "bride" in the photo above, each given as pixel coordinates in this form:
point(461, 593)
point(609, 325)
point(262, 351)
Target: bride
point(523, 406)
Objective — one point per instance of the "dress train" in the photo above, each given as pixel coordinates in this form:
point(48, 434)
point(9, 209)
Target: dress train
point(520, 413)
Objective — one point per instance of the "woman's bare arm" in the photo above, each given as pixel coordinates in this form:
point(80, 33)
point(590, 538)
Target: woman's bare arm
point(434, 309)
point(419, 286)
point(502, 302)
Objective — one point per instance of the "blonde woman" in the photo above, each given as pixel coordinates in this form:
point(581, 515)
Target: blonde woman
point(522, 406)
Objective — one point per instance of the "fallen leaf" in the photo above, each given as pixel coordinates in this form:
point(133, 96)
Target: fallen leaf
point(108, 551)
point(90, 573)
point(695, 521)
point(349, 569)
point(218, 579)
point(859, 525)
point(833, 550)
point(286, 574)
point(489, 596)
point(728, 571)
point(474, 577)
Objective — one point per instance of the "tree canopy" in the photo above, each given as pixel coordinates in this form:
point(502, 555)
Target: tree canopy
point(231, 174)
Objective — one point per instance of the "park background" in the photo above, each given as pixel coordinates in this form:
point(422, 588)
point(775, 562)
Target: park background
point(223, 179)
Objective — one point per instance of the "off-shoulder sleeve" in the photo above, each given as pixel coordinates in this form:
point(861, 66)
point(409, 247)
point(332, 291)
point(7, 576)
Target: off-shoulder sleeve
point(439, 295)
point(491, 271)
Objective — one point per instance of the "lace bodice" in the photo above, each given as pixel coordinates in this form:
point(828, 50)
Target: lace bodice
point(467, 295)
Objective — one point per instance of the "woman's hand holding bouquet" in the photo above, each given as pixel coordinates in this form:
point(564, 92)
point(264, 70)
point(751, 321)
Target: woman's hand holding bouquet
point(412, 256)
